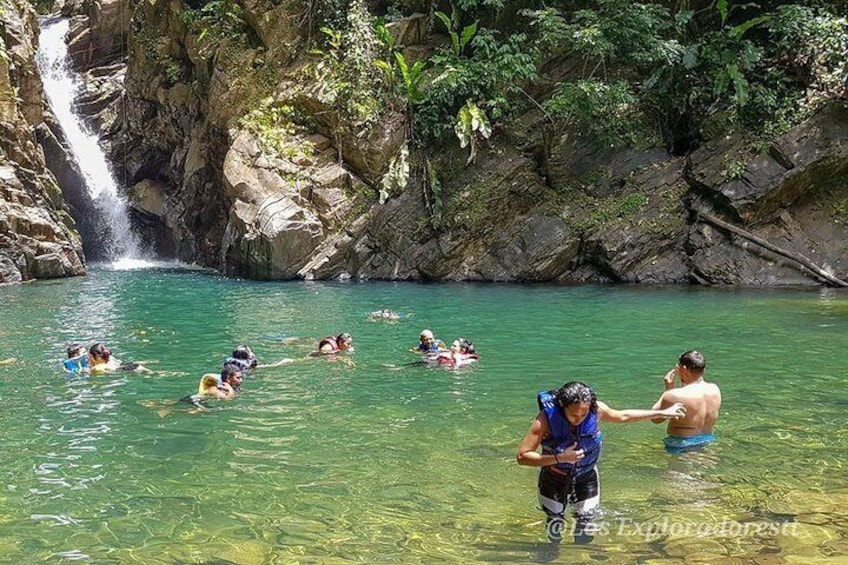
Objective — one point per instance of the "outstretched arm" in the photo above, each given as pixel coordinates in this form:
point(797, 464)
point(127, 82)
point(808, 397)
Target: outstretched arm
point(608, 414)
point(665, 400)
point(283, 361)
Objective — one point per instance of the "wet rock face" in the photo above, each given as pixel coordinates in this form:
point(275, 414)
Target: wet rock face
point(537, 206)
point(37, 236)
point(791, 193)
point(797, 167)
point(98, 33)
point(34, 243)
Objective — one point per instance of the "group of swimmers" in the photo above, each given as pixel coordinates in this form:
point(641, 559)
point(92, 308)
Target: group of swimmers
point(460, 353)
point(225, 385)
point(566, 426)
point(97, 359)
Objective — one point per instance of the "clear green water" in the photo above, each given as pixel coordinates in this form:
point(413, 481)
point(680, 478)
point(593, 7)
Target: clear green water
point(387, 462)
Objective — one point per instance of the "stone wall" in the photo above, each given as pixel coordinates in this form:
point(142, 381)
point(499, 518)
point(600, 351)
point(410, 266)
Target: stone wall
point(37, 235)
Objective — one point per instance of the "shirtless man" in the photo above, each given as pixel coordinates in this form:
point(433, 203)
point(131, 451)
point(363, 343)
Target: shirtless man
point(701, 399)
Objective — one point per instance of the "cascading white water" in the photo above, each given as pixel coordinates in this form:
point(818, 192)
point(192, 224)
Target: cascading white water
point(61, 87)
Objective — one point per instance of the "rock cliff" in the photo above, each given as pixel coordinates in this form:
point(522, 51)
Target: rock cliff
point(38, 238)
point(305, 194)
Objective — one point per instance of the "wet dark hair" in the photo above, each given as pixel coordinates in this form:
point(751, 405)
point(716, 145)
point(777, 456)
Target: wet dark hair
point(467, 346)
point(575, 392)
point(228, 370)
point(344, 337)
point(693, 360)
point(73, 348)
point(100, 350)
point(243, 352)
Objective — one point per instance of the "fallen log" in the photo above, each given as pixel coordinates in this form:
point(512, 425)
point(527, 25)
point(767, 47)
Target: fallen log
point(791, 255)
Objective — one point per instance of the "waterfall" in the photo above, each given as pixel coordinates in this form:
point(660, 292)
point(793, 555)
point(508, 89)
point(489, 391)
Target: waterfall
point(61, 87)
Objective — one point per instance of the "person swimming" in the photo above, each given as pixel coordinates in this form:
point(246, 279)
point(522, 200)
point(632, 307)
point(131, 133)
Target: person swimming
point(77, 360)
point(384, 314)
point(428, 344)
point(212, 386)
point(244, 357)
point(101, 360)
point(330, 345)
point(462, 352)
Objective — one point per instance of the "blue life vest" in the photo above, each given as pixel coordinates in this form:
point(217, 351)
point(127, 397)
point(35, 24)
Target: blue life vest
point(77, 364)
point(432, 348)
point(563, 435)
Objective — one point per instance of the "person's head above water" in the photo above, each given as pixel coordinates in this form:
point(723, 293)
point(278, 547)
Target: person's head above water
point(694, 361)
point(577, 401)
point(691, 366)
point(232, 375)
point(344, 341)
point(100, 351)
point(466, 346)
point(75, 350)
point(244, 353)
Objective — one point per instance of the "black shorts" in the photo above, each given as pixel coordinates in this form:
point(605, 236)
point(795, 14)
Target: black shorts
point(557, 490)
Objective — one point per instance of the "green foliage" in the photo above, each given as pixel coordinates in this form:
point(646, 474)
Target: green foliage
point(217, 19)
point(471, 123)
point(734, 169)
point(328, 13)
point(840, 212)
point(476, 67)
point(612, 209)
point(729, 57)
point(345, 71)
point(608, 33)
point(172, 69)
point(493, 74)
point(412, 77)
point(608, 111)
point(460, 35)
point(276, 127)
point(401, 78)
point(613, 31)
point(472, 5)
point(814, 43)
point(697, 65)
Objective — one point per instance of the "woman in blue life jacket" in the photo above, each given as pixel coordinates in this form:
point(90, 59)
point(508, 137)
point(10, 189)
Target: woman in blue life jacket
point(567, 429)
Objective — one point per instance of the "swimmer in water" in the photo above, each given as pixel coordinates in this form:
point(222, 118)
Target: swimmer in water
point(212, 386)
point(77, 360)
point(428, 344)
point(384, 314)
point(101, 360)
